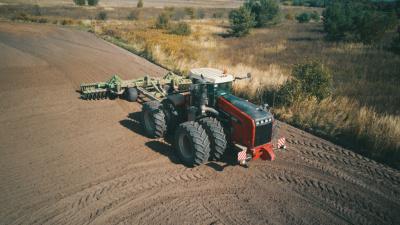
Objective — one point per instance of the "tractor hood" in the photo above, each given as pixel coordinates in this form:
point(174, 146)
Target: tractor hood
point(259, 115)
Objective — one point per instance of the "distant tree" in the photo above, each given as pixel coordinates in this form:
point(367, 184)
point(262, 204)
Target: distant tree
point(312, 3)
point(140, 4)
point(163, 20)
point(200, 14)
point(289, 16)
point(36, 11)
point(264, 11)
point(190, 12)
point(315, 16)
point(358, 20)
point(218, 15)
point(241, 21)
point(80, 2)
point(134, 15)
point(93, 2)
point(178, 14)
point(303, 17)
point(395, 46)
point(102, 15)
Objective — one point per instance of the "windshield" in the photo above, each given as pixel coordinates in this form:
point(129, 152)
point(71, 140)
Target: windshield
point(224, 88)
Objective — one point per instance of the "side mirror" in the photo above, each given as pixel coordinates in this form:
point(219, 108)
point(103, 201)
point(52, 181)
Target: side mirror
point(265, 107)
point(248, 76)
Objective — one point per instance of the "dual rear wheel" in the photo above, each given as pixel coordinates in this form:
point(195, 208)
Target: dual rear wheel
point(195, 141)
point(198, 141)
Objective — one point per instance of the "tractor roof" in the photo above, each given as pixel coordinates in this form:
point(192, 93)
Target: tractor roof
point(210, 75)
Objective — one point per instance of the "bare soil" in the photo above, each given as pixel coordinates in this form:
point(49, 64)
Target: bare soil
point(68, 161)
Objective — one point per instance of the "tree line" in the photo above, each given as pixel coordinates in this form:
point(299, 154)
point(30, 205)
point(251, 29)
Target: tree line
point(365, 21)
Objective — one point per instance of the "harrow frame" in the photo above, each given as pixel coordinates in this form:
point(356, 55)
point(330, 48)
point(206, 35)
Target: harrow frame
point(150, 87)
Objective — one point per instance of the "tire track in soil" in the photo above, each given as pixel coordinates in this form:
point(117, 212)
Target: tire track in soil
point(210, 206)
point(341, 174)
point(101, 197)
point(345, 201)
point(334, 169)
point(348, 158)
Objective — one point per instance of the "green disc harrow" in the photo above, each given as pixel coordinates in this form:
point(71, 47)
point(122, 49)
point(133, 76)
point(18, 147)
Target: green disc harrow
point(153, 88)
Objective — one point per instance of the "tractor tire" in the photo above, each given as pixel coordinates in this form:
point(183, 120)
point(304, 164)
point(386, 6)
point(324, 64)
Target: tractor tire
point(216, 135)
point(192, 144)
point(131, 94)
point(153, 119)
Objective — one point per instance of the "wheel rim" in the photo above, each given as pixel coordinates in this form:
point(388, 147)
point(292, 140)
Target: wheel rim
point(148, 122)
point(185, 146)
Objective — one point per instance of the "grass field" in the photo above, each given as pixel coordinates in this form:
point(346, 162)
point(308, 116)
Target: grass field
point(363, 113)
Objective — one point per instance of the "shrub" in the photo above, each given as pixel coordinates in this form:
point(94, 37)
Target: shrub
point(179, 14)
point(20, 16)
point(102, 15)
point(162, 21)
point(241, 21)
point(303, 17)
point(200, 14)
point(289, 16)
point(134, 15)
point(265, 12)
point(42, 20)
point(93, 2)
point(80, 2)
point(315, 79)
point(190, 12)
point(66, 22)
point(315, 16)
point(289, 93)
point(218, 15)
point(140, 4)
point(181, 28)
point(310, 79)
point(312, 3)
point(395, 46)
point(359, 21)
point(36, 10)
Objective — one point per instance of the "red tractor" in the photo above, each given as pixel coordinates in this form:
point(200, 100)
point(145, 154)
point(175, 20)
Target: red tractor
point(207, 118)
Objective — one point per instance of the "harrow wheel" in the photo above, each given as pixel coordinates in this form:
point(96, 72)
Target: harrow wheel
point(131, 94)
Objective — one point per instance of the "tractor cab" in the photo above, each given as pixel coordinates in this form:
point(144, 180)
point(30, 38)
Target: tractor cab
point(217, 82)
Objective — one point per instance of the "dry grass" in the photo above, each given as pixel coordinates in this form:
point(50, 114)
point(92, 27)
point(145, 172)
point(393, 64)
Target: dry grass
point(172, 51)
point(262, 80)
point(348, 123)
